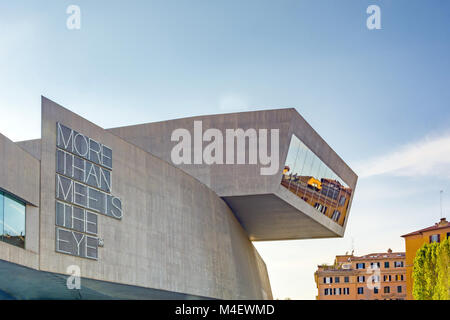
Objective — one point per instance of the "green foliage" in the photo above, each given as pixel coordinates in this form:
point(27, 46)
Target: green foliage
point(443, 269)
point(431, 272)
point(419, 274)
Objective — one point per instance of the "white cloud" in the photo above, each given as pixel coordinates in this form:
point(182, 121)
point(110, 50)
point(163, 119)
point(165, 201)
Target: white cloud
point(427, 157)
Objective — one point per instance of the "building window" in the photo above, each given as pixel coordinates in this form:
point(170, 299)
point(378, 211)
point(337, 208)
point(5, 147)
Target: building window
point(336, 215)
point(336, 280)
point(386, 264)
point(399, 289)
point(360, 265)
point(12, 220)
point(448, 235)
point(375, 290)
point(326, 292)
point(398, 264)
point(374, 265)
point(346, 291)
point(398, 277)
point(346, 279)
point(435, 238)
point(320, 208)
point(328, 280)
point(342, 201)
point(361, 279)
point(387, 289)
point(360, 290)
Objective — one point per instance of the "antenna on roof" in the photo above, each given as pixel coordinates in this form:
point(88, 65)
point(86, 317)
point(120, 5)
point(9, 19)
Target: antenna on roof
point(441, 192)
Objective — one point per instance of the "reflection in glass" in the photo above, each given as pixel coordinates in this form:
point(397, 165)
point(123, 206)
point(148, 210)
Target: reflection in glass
point(310, 179)
point(1, 216)
point(12, 223)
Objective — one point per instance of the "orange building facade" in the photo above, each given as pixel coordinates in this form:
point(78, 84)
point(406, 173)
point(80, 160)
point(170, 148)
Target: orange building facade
point(376, 276)
point(415, 240)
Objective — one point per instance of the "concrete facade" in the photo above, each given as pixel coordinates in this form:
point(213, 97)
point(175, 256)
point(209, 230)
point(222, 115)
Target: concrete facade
point(185, 229)
point(175, 235)
point(20, 176)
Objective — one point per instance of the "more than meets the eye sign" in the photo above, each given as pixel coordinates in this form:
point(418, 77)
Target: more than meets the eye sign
point(83, 190)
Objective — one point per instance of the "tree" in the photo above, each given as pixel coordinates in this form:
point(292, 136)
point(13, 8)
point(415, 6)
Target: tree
point(419, 292)
point(431, 272)
point(442, 291)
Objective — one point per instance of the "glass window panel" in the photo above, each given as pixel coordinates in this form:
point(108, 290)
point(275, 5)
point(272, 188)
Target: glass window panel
point(303, 177)
point(292, 153)
point(290, 162)
point(315, 184)
point(320, 198)
point(309, 161)
point(300, 158)
point(14, 221)
point(312, 180)
point(1, 216)
point(315, 167)
point(294, 167)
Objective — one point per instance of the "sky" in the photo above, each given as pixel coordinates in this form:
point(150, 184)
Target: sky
point(380, 98)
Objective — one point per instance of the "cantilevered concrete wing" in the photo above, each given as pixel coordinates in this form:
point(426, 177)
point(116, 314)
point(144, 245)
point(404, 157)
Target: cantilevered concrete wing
point(307, 193)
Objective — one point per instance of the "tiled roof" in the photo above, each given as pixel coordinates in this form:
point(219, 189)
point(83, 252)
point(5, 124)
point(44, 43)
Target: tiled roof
point(437, 226)
point(382, 255)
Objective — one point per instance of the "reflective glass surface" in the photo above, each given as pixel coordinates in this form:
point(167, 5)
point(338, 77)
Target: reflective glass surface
point(12, 220)
point(310, 179)
point(1, 216)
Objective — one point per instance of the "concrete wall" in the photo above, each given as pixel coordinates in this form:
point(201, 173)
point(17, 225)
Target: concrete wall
point(176, 234)
point(33, 147)
point(237, 180)
point(19, 172)
point(19, 175)
point(225, 180)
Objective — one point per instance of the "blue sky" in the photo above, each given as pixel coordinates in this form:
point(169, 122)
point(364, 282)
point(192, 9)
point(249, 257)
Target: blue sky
point(380, 98)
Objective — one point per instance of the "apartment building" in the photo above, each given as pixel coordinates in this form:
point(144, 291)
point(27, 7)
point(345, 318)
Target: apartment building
point(415, 240)
point(375, 276)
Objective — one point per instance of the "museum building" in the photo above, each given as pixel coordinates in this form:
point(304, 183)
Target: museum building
point(137, 224)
